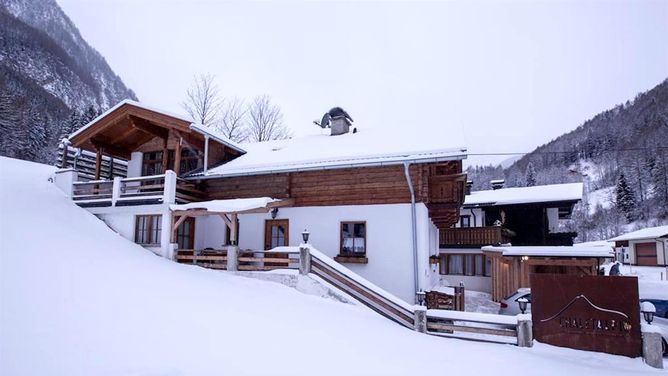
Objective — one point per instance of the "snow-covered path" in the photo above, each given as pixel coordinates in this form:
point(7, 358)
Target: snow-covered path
point(77, 299)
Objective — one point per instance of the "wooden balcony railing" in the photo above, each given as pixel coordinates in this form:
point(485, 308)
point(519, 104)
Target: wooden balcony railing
point(165, 188)
point(472, 236)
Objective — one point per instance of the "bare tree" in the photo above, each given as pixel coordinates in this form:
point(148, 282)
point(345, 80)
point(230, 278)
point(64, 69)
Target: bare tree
point(203, 100)
point(265, 121)
point(232, 120)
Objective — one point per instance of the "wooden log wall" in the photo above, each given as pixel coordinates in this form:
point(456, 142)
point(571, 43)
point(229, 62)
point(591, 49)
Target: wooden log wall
point(353, 186)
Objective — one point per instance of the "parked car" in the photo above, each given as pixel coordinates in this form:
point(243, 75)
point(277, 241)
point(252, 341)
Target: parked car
point(510, 306)
point(660, 305)
point(663, 325)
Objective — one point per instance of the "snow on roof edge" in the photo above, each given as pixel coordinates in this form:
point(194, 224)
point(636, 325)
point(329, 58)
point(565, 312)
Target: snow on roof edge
point(331, 165)
point(645, 233)
point(551, 251)
point(203, 129)
point(525, 195)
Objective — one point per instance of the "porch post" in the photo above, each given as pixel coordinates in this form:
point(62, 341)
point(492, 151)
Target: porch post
point(169, 193)
point(166, 235)
point(177, 157)
point(98, 163)
point(304, 260)
point(115, 190)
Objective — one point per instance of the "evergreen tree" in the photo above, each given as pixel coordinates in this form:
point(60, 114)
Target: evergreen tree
point(530, 179)
point(625, 199)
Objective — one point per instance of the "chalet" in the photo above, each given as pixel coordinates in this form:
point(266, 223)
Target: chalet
point(373, 201)
point(504, 234)
point(646, 247)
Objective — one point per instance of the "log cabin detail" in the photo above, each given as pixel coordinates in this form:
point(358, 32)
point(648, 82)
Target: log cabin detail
point(372, 200)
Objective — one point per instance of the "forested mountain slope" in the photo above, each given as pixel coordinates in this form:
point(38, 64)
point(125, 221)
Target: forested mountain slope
point(47, 73)
point(628, 142)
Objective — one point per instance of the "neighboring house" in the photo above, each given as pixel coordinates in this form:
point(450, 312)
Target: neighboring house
point(646, 247)
point(372, 200)
point(526, 216)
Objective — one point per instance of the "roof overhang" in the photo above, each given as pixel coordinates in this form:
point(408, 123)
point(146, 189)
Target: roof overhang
point(551, 251)
point(231, 206)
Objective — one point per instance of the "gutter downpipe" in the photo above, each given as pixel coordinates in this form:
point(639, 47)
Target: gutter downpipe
point(206, 154)
point(413, 225)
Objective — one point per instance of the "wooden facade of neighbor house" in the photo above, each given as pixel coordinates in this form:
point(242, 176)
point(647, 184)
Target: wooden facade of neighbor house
point(645, 247)
point(525, 216)
point(374, 201)
point(511, 266)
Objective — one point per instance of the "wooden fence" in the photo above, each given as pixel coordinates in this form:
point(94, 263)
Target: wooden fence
point(84, 162)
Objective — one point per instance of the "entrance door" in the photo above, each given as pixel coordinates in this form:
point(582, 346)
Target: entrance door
point(646, 254)
point(276, 235)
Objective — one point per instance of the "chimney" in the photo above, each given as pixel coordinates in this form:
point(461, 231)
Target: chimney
point(497, 184)
point(469, 185)
point(339, 125)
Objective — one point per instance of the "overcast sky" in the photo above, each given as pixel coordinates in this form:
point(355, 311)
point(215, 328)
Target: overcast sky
point(508, 76)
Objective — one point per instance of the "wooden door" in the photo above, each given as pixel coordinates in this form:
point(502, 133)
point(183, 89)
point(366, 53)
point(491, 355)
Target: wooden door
point(276, 234)
point(646, 254)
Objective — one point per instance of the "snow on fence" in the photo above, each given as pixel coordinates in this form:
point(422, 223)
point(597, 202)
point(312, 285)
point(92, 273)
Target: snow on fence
point(247, 260)
point(464, 325)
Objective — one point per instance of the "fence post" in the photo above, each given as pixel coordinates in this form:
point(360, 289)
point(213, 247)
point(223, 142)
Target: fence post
point(420, 319)
point(652, 352)
point(115, 190)
point(169, 194)
point(232, 258)
point(524, 331)
point(304, 260)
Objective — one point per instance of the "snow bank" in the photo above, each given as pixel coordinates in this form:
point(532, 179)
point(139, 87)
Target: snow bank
point(78, 299)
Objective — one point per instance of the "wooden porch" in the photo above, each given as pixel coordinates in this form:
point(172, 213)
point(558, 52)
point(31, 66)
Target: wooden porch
point(144, 190)
point(465, 237)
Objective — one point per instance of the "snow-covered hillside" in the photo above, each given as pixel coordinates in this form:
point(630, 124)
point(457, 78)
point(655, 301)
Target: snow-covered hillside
point(78, 299)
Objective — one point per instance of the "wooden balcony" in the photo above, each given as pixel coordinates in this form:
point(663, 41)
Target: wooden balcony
point(143, 190)
point(464, 237)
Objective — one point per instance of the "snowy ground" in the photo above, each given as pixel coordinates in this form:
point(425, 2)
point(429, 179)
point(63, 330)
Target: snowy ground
point(77, 299)
point(476, 301)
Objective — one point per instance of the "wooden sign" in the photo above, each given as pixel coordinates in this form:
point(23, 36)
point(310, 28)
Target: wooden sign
point(594, 313)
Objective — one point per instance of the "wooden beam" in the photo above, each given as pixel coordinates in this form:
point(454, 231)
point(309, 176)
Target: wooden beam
point(110, 149)
point(227, 221)
point(177, 157)
point(98, 163)
point(165, 155)
point(148, 127)
point(179, 221)
point(233, 229)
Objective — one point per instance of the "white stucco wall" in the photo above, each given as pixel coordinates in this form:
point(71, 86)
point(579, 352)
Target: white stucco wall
point(473, 283)
point(389, 239)
point(134, 164)
point(210, 232)
point(122, 220)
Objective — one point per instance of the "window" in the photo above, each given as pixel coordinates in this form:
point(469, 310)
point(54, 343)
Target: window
point(353, 239)
point(465, 264)
point(465, 221)
point(189, 160)
point(565, 212)
point(148, 229)
point(152, 163)
point(185, 234)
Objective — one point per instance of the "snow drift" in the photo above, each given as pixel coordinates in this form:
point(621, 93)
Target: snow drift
point(78, 299)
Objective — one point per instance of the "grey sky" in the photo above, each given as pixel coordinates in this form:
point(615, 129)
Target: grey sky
point(508, 75)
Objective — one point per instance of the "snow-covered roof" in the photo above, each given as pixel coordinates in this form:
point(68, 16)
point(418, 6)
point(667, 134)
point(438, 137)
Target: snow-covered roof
point(646, 233)
point(227, 206)
point(202, 129)
point(596, 243)
point(526, 195)
point(366, 147)
point(551, 251)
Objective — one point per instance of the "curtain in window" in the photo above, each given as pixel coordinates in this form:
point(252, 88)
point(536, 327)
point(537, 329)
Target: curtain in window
point(469, 265)
point(455, 264)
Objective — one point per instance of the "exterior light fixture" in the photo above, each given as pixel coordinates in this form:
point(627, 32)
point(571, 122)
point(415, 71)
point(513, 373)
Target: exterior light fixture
point(305, 235)
point(648, 310)
point(525, 258)
point(274, 213)
point(523, 304)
